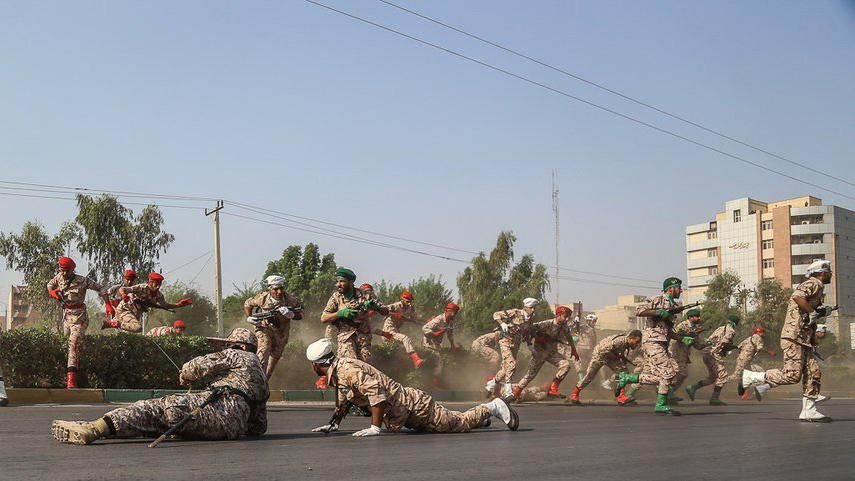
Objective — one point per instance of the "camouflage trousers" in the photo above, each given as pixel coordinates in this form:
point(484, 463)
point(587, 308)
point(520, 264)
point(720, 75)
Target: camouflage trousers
point(531, 394)
point(480, 346)
point(442, 420)
point(743, 362)
point(226, 418)
point(509, 347)
point(404, 339)
point(800, 364)
point(271, 344)
point(74, 324)
point(716, 373)
point(128, 322)
point(330, 332)
point(438, 360)
point(615, 363)
point(584, 359)
point(682, 370)
point(659, 367)
point(540, 356)
point(356, 346)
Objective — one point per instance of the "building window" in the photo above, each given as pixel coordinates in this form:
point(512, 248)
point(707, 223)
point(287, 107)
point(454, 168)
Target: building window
point(767, 263)
point(767, 244)
point(737, 215)
point(712, 234)
point(713, 271)
point(712, 252)
point(766, 225)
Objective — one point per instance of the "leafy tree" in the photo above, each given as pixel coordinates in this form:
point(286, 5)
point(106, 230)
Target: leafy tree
point(233, 303)
point(494, 282)
point(722, 295)
point(308, 275)
point(770, 301)
point(430, 295)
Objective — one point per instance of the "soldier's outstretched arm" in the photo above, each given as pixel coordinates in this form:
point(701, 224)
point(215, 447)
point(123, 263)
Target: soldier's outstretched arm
point(204, 366)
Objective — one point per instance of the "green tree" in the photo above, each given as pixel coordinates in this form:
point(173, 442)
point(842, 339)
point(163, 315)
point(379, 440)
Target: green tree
point(494, 282)
point(430, 295)
point(723, 294)
point(308, 275)
point(233, 304)
point(34, 252)
point(770, 301)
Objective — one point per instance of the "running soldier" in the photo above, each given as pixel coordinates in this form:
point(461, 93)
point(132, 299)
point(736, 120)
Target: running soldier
point(137, 300)
point(798, 344)
point(585, 335)
point(129, 278)
point(487, 346)
point(274, 310)
point(690, 328)
point(611, 352)
point(399, 313)
point(513, 326)
point(348, 310)
point(659, 367)
point(435, 330)
point(748, 348)
point(543, 338)
point(69, 289)
point(176, 329)
point(235, 380)
point(400, 408)
point(718, 345)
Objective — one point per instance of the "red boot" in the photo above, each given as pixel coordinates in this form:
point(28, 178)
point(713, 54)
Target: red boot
point(747, 395)
point(574, 396)
point(517, 393)
point(321, 383)
point(417, 361)
point(624, 400)
point(553, 390)
point(108, 323)
point(71, 379)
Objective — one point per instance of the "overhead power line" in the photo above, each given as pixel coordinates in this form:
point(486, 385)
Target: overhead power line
point(617, 93)
point(34, 196)
point(188, 263)
point(579, 99)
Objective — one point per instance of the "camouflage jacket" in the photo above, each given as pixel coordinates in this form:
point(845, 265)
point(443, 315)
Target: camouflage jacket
point(266, 302)
point(74, 290)
point(656, 328)
point(339, 301)
point(140, 299)
point(795, 328)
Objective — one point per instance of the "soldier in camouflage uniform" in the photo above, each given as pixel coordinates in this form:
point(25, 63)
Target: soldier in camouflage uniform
point(610, 352)
point(435, 330)
point(486, 345)
point(70, 290)
point(176, 329)
point(137, 300)
point(680, 350)
point(717, 346)
point(798, 344)
point(348, 309)
point(585, 335)
point(513, 325)
point(400, 408)
point(273, 333)
point(129, 278)
point(399, 313)
point(239, 408)
point(748, 348)
point(544, 338)
point(659, 367)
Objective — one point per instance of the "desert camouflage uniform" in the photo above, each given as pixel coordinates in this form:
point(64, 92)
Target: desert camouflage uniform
point(798, 343)
point(659, 367)
point(406, 407)
point(538, 393)
point(585, 345)
point(227, 418)
point(509, 343)
point(748, 348)
point(434, 343)
point(272, 336)
point(75, 320)
point(481, 346)
point(162, 331)
point(393, 323)
point(113, 292)
point(610, 352)
point(680, 352)
point(129, 313)
point(714, 356)
point(353, 342)
point(545, 339)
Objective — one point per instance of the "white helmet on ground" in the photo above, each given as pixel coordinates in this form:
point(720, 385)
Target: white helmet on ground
point(818, 267)
point(591, 318)
point(274, 281)
point(321, 351)
point(530, 302)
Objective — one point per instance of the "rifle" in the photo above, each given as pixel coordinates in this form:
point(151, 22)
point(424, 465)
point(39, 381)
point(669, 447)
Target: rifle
point(146, 304)
point(338, 416)
point(679, 309)
point(216, 393)
point(271, 316)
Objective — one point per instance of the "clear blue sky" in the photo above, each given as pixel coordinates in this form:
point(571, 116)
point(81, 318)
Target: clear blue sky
point(290, 106)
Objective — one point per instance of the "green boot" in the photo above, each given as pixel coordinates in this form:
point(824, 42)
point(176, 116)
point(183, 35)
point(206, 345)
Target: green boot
point(690, 390)
point(714, 400)
point(662, 408)
point(623, 379)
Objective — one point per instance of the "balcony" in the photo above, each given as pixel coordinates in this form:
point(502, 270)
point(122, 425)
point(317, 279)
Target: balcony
point(812, 210)
point(702, 244)
point(702, 262)
point(694, 229)
point(810, 249)
point(800, 269)
point(805, 229)
point(700, 281)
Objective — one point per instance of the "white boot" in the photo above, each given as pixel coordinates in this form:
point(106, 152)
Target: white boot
point(490, 387)
point(809, 413)
point(761, 389)
point(607, 385)
point(502, 410)
point(508, 392)
point(749, 378)
point(821, 399)
point(4, 400)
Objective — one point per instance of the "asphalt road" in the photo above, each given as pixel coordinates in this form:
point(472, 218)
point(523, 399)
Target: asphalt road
point(741, 441)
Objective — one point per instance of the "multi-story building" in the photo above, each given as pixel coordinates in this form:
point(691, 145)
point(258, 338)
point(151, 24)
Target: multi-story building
point(621, 316)
point(777, 240)
point(20, 313)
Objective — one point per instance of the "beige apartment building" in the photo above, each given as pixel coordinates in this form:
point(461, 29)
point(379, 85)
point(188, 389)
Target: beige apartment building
point(621, 316)
point(777, 240)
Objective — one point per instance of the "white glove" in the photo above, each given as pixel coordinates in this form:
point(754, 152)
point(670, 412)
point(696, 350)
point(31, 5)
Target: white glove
point(326, 428)
point(372, 431)
point(252, 320)
point(813, 317)
point(504, 327)
point(286, 312)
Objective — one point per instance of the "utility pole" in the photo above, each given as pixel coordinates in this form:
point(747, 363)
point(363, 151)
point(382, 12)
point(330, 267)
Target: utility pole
point(218, 285)
point(555, 212)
